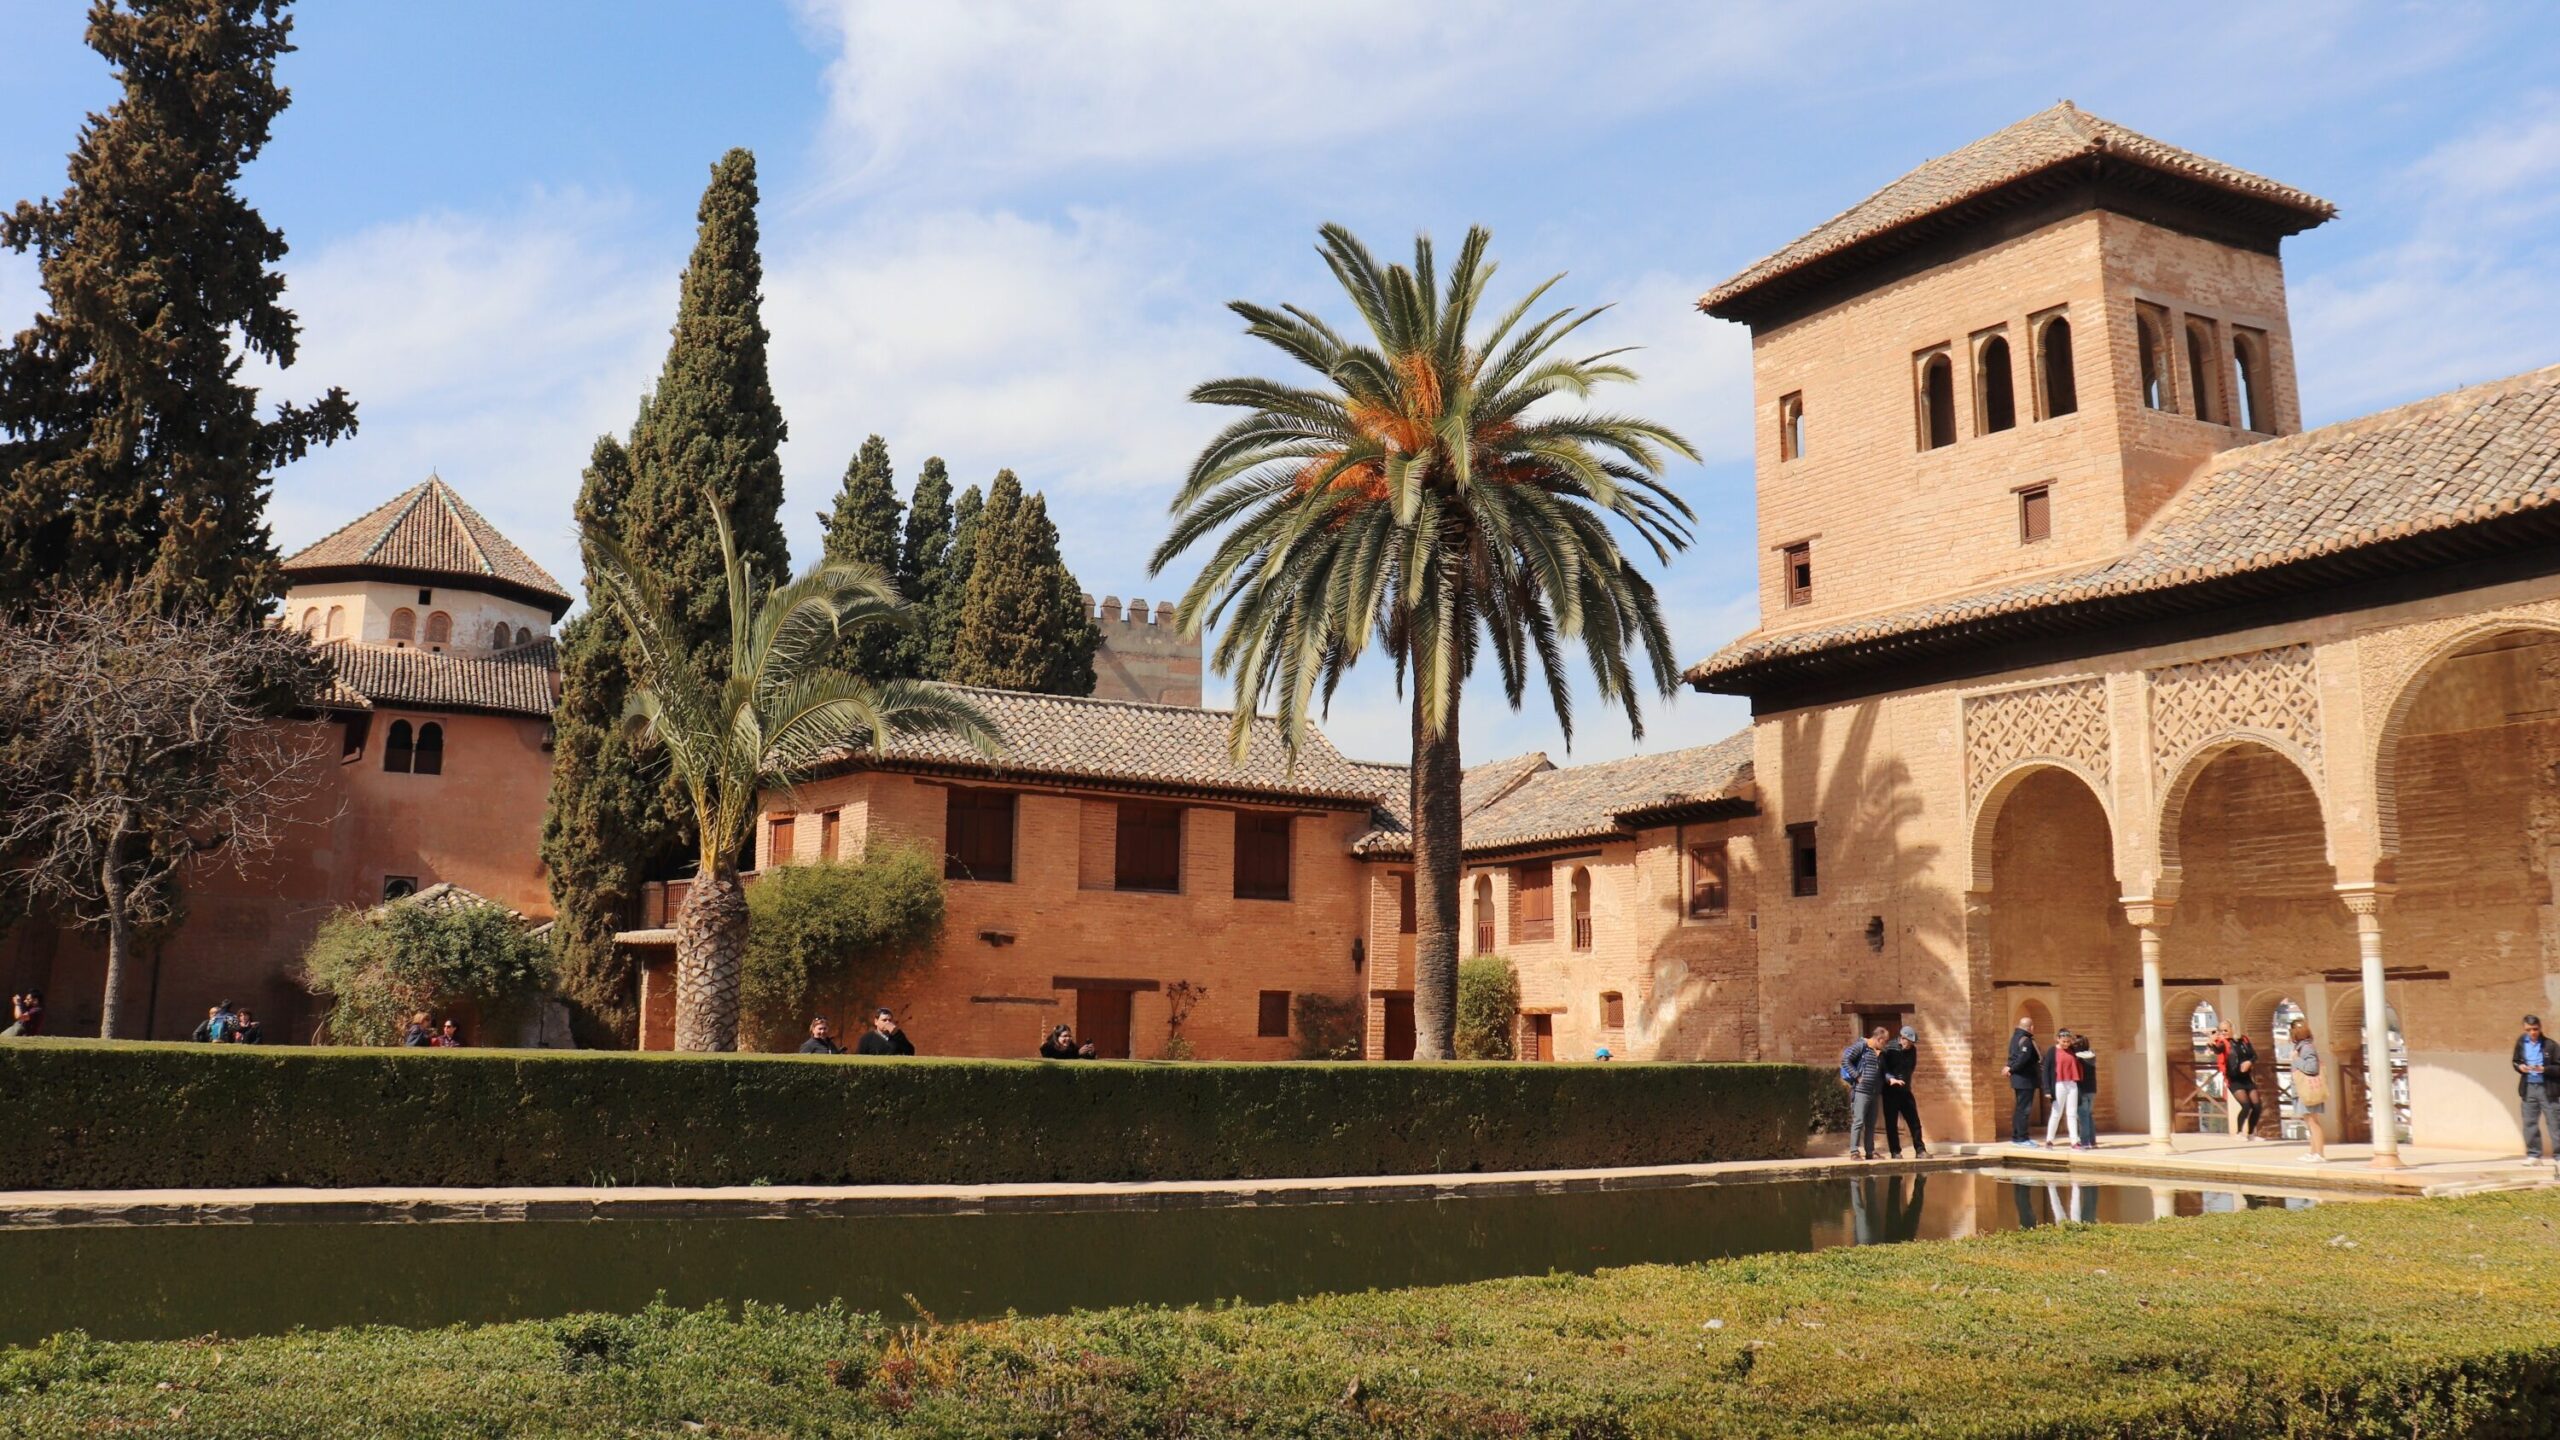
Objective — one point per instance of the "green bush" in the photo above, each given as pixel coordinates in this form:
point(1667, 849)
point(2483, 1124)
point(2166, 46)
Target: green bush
point(1488, 1007)
point(2350, 1322)
point(87, 1114)
point(1826, 1101)
point(380, 966)
point(1328, 1027)
point(839, 930)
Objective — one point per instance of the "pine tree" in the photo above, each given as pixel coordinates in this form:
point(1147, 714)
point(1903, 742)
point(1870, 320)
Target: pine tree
point(603, 821)
point(864, 529)
point(129, 449)
point(924, 561)
point(1023, 625)
point(953, 591)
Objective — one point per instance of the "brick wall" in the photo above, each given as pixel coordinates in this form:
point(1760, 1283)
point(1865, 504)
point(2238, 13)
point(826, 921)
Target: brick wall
point(1144, 655)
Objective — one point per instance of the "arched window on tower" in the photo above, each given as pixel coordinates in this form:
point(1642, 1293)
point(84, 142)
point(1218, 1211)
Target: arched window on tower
point(2155, 366)
point(439, 629)
point(1484, 914)
point(2256, 406)
point(311, 621)
point(1581, 907)
point(498, 636)
point(430, 749)
point(523, 636)
point(404, 626)
point(2061, 382)
point(2200, 376)
point(1937, 401)
point(399, 748)
point(1997, 385)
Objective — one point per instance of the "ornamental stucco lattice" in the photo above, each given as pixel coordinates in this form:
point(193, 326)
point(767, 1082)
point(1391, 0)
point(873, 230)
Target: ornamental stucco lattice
point(2273, 693)
point(2067, 721)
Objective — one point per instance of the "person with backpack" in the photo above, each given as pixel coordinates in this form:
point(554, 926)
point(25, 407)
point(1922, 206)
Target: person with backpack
point(217, 1026)
point(2085, 1051)
point(1862, 1067)
point(2310, 1091)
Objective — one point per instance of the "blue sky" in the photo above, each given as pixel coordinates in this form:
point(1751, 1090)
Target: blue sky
point(1004, 232)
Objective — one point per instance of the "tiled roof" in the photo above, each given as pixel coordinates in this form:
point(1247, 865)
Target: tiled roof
point(2474, 455)
point(521, 681)
point(442, 896)
point(428, 530)
point(2058, 136)
point(1177, 747)
point(1478, 786)
point(1549, 804)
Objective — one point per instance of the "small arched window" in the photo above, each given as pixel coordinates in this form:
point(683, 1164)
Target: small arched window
point(498, 636)
point(1791, 426)
point(2248, 355)
point(1581, 908)
point(523, 636)
point(1997, 385)
point(1937, 402)
point(311, 621)
point(2154, 365)
point(2200, 376)
point(431, 749)
point(399, 748)
point(2061, 383)
point(1484, 914)
point(439, 628)
point(337, 622)
point(404, 626)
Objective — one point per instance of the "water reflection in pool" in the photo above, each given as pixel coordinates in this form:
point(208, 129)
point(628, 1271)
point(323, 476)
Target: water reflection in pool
point(157, 1282)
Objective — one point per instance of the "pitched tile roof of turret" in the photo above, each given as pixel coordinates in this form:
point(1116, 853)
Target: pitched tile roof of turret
point(2049, 138)
point(427, 531)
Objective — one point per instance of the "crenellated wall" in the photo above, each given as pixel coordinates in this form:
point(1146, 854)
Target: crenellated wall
point(1144, 656)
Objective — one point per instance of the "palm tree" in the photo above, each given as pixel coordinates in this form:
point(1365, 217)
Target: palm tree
point(1424, 498)
point(781, 706)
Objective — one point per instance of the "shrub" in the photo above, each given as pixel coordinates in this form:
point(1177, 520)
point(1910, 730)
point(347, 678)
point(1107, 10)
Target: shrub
point(1329, 1027)
point(381, 965)
point(87, 1114)
point(1488, 1007)
point(1827, 1101)
point(842, 930)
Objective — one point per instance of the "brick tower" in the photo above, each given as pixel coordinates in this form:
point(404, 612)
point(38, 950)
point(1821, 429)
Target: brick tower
point(1144, 655)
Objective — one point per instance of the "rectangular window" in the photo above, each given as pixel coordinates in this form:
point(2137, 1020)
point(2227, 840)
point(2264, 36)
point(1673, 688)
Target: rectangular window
point(778, 841)
point(1802, 860)
point(1709, 880)
point(1148, 854)
point(977, 834)
point(1404, 903)
point(1534, 887)
point(1613, 1010)
point(2035, 514)
point(1273, 1023)
point(1796, 572)
point(831, 836)
point(1791, 426)
point(1262, 856)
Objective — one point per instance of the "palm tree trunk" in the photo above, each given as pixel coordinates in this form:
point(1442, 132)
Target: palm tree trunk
point(711, 954)
point(1436, 856)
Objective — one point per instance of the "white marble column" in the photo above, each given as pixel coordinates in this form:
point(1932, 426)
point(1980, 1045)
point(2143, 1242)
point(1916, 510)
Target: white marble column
point(2364, 902)
point(2151, 917)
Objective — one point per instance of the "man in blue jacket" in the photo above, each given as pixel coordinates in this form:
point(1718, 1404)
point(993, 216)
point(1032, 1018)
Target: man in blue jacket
point(1862, 1064)
point(2537, 1063)
point(2026, 1076)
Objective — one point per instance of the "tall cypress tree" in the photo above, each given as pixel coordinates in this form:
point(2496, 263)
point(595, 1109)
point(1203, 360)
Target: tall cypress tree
point(924, 558)
point(864, 528)
point(129, 449)
point(1023, 625)
point(953, 591)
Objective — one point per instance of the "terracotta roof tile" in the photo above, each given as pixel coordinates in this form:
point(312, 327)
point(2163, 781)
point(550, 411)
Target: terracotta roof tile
point(1173, 746)
point(1552, 804)
point(2439, 464)
point(427, 529)
point(521, 681)
point(2043, 140)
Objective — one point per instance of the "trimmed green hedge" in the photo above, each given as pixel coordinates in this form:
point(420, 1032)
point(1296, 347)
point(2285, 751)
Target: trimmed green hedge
point(2395, 1318)
point(95, 1115)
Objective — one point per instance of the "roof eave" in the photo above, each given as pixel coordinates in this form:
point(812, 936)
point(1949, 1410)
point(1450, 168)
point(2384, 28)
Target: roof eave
point(550, 602)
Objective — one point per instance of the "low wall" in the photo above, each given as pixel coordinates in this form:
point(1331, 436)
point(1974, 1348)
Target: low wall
point(102, 1115)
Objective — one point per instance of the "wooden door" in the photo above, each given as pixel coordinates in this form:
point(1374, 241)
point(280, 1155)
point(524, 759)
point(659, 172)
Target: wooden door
point(1541, 1037)
point(1102, 1020)
point(1399, 1043)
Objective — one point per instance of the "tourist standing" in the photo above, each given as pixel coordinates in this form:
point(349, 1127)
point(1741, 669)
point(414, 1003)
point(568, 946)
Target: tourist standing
point(416, 1034)
point(1061, 1045)
point(2085, 1050)
point(2310, 1091)
point(2537, 1091)
point(884, 1037)
point(2026, 1071)
point(217, 1025)
point(1900, 1104)
point(448, 1037)
point(822, 1039)
point(26, 1014)
point(1864, 1063)
point(245, 1029)
point(2241, 1078)
point(2062, 1087)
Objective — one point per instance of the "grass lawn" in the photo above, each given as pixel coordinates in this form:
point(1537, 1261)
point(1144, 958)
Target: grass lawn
point(2399, 1318)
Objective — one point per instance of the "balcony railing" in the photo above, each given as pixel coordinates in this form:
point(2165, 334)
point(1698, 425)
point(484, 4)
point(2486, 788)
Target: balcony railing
point(1484, 939)
point(1581, 932)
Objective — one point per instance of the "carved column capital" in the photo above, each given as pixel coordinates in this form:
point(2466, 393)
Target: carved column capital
point(2364, 902)
point(2150, 912)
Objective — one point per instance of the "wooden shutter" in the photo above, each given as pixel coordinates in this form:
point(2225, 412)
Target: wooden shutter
point(1799, 574)
point(1148, 854)
point(1535, 884)
point(1613, 1010)
point(978, 834)
point(2035, 514)
point(1802, 859)
point(831, 836)
point(782, 837)
point(1262, 857)
point(1274, 1019)
point(1404, 903)
point(1708, 889)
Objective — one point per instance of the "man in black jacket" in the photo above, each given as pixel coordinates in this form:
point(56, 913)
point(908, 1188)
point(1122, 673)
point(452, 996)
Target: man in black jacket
point(1899, 1103)
point(884, 1037)
point(2026, 1074)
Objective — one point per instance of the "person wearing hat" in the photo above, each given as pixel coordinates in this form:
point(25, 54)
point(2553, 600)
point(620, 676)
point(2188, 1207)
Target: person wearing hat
point(1899, 1103)
point(1604, 1054)
point(2537, 1089)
